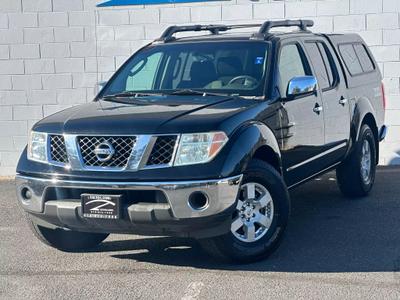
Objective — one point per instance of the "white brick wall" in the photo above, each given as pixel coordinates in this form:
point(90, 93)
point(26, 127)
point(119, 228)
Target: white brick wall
point(52, 52)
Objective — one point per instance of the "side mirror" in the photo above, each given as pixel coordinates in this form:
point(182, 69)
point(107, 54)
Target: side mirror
point(99, 86)
point(301, 85)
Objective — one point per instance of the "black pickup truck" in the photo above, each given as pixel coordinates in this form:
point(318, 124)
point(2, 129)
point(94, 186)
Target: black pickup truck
point(202, 137)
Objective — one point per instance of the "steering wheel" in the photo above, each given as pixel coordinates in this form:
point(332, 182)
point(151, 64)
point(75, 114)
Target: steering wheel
point(247, 80)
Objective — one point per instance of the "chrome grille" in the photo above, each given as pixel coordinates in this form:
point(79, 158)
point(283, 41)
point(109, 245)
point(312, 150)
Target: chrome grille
point(162, 151)
point(123, 146)
point(58, 151)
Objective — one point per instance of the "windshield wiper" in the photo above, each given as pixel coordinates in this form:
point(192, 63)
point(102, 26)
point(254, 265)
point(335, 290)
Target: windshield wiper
point(189, 92)
point(131, 94)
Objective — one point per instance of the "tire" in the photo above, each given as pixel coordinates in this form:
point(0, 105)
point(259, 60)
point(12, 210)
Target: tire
point(66, 240)
point(237, 245)
point(351, 177)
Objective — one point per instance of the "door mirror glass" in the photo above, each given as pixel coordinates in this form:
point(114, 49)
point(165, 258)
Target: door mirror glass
point(301, 85)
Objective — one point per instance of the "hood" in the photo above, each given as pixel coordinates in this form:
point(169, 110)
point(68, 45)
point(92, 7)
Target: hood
point(146, 115)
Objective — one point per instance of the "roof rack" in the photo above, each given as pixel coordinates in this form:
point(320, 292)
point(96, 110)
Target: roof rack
point(168, 34)
point(213, 28)
point(268, 25)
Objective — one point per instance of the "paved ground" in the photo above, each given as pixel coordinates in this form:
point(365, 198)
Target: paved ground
point(335, 248)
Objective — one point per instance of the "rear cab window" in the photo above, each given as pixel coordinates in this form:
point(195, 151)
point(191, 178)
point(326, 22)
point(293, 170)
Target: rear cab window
point(365, 60)
point(356, 58)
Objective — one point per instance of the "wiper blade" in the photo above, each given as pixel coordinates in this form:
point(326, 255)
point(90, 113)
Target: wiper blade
point(188, 92)
point(131, 94)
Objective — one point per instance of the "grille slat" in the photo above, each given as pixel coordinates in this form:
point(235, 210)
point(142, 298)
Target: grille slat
point(58, 151)
point(162, 151)
point(123, 146)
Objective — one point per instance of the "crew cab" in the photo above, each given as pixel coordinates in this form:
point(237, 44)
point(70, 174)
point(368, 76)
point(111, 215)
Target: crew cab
point(202, 136)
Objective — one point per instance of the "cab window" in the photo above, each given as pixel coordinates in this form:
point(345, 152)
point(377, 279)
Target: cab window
point(291, 64)
point(322, 63)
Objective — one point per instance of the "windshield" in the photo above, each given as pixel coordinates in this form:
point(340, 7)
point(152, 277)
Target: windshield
point(215, 67)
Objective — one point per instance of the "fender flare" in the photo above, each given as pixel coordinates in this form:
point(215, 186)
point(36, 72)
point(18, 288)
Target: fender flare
point(248, 139)
point(362, 108)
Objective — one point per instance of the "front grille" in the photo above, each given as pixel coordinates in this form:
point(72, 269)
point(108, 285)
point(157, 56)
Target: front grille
point(58, 152)
point(162, 151)
point(122, 145)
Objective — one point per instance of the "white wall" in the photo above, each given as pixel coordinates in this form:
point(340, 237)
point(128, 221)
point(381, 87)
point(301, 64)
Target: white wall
point(49, 58)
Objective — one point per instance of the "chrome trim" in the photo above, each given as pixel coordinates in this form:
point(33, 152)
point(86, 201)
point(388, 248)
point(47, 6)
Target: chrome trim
point(314, 175)
point(74, 156)
point(140, 153)
point(301, 85)
point(221, 193)
point(139, 149)
point(318, 109)
point(317, 156)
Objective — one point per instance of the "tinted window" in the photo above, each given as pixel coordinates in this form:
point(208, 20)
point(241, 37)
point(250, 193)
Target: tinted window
point(365, 60)
point(290, 65)
point(319, 65)
point(350, 59)
point(221, 67)
point(329, 63)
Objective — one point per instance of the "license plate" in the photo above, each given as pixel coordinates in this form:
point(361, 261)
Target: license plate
point(101, 206)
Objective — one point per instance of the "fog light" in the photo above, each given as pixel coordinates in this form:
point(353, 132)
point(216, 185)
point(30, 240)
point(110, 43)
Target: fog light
point(198, 201)
point(26, 193)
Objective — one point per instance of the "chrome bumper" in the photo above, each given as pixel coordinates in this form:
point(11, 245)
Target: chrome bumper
point(221, 193)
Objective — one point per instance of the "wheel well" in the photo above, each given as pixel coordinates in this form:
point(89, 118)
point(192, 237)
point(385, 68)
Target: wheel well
point(268, 155)
point(370, 121)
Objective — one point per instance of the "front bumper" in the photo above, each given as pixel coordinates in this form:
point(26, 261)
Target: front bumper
point(173, 217)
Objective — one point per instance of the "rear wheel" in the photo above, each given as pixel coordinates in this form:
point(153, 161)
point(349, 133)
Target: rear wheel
point(259, 220)
point(66, 240)
point(356, 175)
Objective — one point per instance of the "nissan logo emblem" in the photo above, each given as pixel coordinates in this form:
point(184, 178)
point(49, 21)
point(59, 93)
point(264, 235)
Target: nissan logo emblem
point(104, 151)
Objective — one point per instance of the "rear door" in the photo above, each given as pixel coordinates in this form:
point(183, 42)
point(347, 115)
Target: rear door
point(302, 124)
point(333, 91)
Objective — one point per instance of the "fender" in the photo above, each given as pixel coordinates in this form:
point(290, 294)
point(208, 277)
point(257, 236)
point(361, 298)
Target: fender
point(362, 107)
point(248, 140)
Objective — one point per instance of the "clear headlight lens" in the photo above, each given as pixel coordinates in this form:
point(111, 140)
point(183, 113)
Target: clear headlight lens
point(37, 146)
point(199, 148)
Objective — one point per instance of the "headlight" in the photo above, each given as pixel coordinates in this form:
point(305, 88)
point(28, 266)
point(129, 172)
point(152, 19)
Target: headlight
point(37, 146)
point(199, 148)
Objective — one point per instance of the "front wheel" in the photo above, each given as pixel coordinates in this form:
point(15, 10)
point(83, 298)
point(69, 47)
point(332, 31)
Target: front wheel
point(259, 220)
point(66, 240)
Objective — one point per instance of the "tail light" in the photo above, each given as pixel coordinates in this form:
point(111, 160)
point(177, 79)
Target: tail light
point(383, 96)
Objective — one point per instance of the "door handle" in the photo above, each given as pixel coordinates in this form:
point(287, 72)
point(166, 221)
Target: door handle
point(343, 101)
point(318, 109)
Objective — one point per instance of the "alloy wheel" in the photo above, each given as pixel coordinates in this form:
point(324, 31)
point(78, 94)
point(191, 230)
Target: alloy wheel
point(254, 213)
point(366, 162)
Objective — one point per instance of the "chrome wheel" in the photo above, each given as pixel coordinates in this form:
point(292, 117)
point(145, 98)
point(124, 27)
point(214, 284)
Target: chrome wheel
point(254, 213)
point(366, 162)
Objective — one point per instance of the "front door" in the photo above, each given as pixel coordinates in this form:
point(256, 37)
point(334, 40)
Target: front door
point(302, 118)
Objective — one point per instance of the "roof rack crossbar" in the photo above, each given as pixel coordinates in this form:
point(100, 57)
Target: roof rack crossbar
point(213, 28)
point(302, 24)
